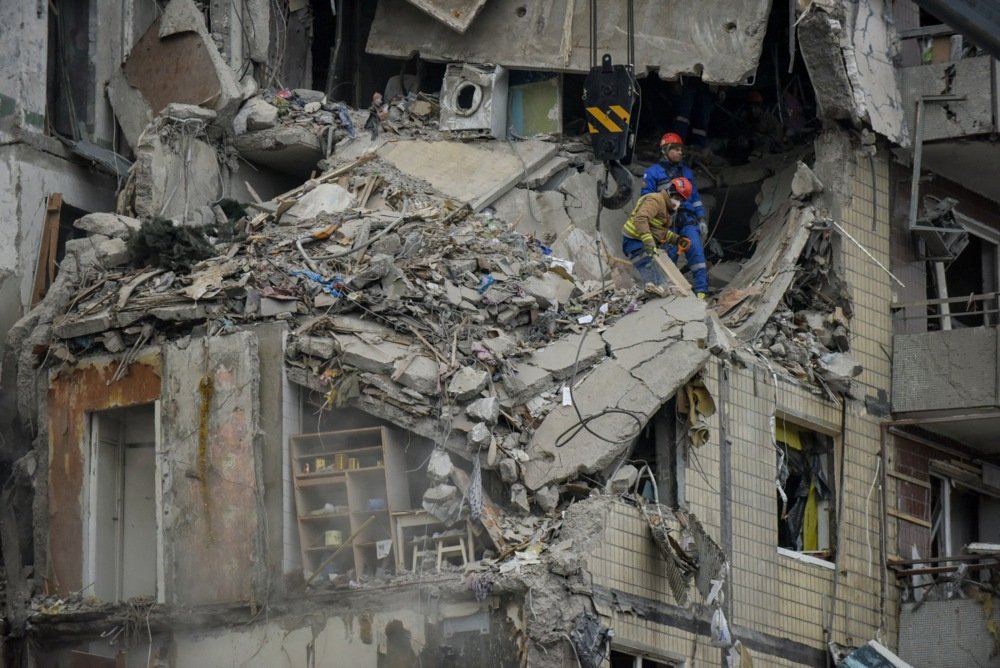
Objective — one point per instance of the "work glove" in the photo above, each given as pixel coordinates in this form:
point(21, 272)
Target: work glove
point(703, 228)
point(651, 250)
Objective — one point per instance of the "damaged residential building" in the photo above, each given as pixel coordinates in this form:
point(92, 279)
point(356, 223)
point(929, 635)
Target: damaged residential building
point(319, 346)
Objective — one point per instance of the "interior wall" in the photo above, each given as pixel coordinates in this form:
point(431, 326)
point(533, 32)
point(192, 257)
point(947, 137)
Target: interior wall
point(73, 393)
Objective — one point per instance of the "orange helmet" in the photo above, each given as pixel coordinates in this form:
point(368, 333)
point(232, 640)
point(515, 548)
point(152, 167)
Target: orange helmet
point(671, 138)
point(680, 187)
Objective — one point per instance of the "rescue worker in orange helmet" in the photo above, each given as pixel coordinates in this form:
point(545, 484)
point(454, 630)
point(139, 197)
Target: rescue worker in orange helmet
point(690, 220)
point(648, 229)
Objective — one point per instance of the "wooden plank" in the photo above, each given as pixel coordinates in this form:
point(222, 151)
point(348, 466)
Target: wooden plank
point(45, 268)
point(898, 514)
point(910, 479)
point(673, 274)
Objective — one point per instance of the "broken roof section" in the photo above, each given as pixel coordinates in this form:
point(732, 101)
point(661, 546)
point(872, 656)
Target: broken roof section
point(719, 40)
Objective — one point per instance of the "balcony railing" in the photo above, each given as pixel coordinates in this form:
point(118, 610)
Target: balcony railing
point(946, 314)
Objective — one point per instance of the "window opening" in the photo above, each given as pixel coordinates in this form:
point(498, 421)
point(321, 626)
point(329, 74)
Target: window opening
point(805, 514)
point(122, 554)
point(70, 71)
point(625, 659)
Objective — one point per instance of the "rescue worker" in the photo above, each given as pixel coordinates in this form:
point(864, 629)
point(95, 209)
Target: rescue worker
point(648, 230)
point(759, 132)
point(669, 167)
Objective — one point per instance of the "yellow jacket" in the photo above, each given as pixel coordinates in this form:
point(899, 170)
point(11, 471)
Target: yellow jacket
point(650, 221)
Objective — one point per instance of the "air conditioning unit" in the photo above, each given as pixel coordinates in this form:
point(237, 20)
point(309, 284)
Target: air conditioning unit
point(474, 97)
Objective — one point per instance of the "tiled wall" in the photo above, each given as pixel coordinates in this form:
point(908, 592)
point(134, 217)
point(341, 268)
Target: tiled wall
point(772, 593)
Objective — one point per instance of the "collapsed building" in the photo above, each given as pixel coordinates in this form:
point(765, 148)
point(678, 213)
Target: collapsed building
point(327, 351)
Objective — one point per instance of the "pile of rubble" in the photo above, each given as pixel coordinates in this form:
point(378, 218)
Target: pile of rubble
point(809, 332)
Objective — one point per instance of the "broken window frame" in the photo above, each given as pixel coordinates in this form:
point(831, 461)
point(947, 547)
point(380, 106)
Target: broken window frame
point(825, 545)
point(943, 540)
point(89, 562)
point(61, 96)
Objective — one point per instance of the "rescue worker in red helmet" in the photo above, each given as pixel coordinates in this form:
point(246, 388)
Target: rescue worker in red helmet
point(648, 229)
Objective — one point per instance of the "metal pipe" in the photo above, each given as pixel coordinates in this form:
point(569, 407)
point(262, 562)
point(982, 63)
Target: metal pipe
point(883, 527)
point(828, 631)
point(918, 142)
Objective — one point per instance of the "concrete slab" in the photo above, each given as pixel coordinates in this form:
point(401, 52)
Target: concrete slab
point(168, 181)
point(374, 356)
point(723, 39)
point(456, 14)
point(291, 150)
point(419, 373)
point(130, 107)
point(609, 385)
point(527, 381)
point(670, 369)
point(544, 172)
point(872, 72)
point(559, 357)
point(550, 289)
point(530, 212)
point(476, 173)
point(176, 61)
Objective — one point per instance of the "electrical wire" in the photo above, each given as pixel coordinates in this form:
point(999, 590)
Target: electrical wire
point(583, 423)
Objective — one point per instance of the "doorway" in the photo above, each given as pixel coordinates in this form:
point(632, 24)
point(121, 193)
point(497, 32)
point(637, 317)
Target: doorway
point(122, 555)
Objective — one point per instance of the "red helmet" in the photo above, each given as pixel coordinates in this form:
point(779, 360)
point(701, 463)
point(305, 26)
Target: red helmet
point(671, 138)
point(754, 97)
point(680, 187)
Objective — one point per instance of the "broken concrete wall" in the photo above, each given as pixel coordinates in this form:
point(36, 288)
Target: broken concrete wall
point(27, 177)
point(870, 66)
point(73, 394)
point(213, 502)
point(849, 51)
point(176, 171)
point(23, 41)
point(551, 35)
point(653, 352)
point(821, 37)
point(176, 60)
point(968, 77)
point(277, 413)
point(436, 624)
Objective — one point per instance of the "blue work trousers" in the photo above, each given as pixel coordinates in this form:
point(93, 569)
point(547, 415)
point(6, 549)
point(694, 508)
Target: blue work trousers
point(635, 251)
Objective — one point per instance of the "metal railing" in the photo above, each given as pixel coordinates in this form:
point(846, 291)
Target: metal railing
point(943, 314)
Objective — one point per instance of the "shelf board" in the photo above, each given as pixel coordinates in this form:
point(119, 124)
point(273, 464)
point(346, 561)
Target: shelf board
point(322, 548)
point(328, 454)
point(369, 512)
point(324, 516)
point(322, 478)
point(366, 469)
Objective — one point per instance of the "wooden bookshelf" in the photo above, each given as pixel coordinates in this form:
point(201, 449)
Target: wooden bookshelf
point(342, 478)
